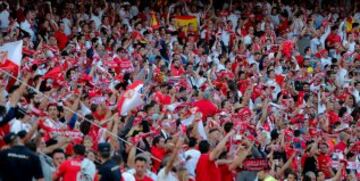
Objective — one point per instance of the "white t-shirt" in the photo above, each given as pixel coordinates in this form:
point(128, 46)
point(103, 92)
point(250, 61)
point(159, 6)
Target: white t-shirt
point(275, 19)
point(247, 40)
point(356, 94)
point(67, 29)
point(149, 173)
point(225, 37)
point(341, 76)
point(234, 20)
point(325, 61)
point(127, 176)
point(314, 43)
point(26, 26)
point(4, 19)
point(17, 126)
point(171, 176)
point(324, 36)
point(97, 19)
point(190, 164)
point(351, 45)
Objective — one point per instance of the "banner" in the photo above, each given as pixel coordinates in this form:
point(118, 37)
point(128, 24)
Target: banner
point(67, 133)
point(181, 21)
point(255, 164)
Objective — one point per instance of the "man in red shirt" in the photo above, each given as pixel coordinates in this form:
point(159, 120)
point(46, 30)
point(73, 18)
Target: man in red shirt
point(70, 169)
point(61, 37)
point(324, 160)
point(140, 169)
point(176, 68)
point(333, 38)
point(206, 168)
point(158, 151)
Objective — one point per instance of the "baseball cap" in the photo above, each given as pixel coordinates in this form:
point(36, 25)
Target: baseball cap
point(10, 137)
point(104, 147)
point(21, 134)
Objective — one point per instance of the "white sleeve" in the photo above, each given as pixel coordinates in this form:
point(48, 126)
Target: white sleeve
point(15, 126)
point(324, 36)
point(341, 31)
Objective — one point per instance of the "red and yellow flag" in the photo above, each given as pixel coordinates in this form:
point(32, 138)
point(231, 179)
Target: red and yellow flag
point(348, 24)
point(185, 21)
point(154, 22)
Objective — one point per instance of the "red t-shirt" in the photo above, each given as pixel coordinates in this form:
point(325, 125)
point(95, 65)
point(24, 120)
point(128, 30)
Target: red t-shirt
point(61, 39)
point(324, 162)
point(303, 159)
point(146, 178)
point(341, 146)
point(177, 71)
point(69, 169)
point(333, 38)
point(207, 169)
point(226, 173)
point(157, 153)
point(283, 26)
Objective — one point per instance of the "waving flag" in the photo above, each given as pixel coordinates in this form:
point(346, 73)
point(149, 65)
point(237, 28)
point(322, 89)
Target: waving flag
point(54, 73)
point(154, 21)
point(348, 24)
point(11, 59)
point(131, 98)
point(162, 99)
point(185, 21)
point(206, 107)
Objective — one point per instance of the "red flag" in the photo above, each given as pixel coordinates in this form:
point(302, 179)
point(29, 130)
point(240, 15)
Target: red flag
point(206, 107)
point(279, 79)
point(162, 99)
point(54, 73)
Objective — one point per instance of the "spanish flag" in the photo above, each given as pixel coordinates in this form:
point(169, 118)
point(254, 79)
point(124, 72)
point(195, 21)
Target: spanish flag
point(348, 24)
point(186, 21)
point(154, 22)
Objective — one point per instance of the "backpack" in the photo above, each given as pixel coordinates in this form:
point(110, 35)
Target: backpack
point(87, 171)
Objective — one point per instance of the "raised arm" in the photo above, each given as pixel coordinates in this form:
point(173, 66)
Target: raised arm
point(131, 157)
point(127, 127)
point(106, 6)
point(264, 111)
point(286, 165)
point(15, 97)
point(217, 151)
point(187, 10)
point(114, 131)
point(73, 108)
point(210, 5)
point(168, 14)
point(240, 158)
point(338, 173)
point(173, 157)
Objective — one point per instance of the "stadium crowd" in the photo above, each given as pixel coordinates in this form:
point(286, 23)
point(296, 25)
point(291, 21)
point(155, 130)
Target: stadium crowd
point(188, 90)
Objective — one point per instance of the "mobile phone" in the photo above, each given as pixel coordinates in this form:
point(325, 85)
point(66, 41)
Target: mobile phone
point(238, 137)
